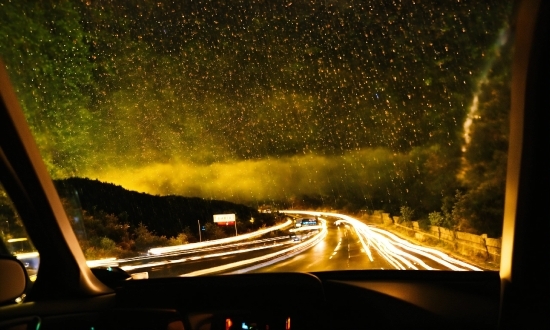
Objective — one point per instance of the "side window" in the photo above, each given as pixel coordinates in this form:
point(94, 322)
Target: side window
point(14, 236)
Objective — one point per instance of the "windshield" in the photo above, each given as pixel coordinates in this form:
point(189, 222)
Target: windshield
point(211, 137)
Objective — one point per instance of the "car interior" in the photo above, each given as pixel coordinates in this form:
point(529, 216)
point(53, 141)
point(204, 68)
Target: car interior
point(67, 294)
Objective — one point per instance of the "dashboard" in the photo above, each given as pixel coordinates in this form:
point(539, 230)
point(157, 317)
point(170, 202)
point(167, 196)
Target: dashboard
point(255, 301)
point(325, 300)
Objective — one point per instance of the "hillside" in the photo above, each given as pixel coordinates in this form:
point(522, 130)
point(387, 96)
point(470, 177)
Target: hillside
point(164, 215)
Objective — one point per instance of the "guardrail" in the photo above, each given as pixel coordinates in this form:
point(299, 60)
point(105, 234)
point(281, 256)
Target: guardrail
point(463, 243)
point(170, 250)
point(266, 260)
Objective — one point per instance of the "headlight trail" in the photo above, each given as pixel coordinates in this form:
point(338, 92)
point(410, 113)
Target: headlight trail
point(428, 252)
point(208, 251)
point(267, 259)
point(26, 255)
point(189, 246)
point(194, 247)
point(305, 228)
point(398, 252)
point(206, 256)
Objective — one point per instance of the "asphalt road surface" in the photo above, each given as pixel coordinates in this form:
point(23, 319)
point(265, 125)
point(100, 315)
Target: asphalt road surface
point(340, 250)
point(345, 244)
point(355, 245)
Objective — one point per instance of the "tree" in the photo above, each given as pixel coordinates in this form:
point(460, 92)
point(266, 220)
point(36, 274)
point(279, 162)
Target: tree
point(48, 38)
point(178, 240)
point(192, 235)
point(448, 209)
point(10, 223)
point(481, 208)
point(436, 218)
point(406, 214)
point(214, 231)
point(145, 239)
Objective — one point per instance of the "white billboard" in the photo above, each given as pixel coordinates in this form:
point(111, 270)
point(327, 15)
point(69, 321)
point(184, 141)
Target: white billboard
point(227, 218)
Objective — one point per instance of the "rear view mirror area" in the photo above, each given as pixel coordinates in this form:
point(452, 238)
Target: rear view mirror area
point(13, 280)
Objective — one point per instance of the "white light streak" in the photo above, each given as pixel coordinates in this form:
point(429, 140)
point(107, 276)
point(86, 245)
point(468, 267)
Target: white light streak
point(397, 251)
point(267, 259)
point(190, 246)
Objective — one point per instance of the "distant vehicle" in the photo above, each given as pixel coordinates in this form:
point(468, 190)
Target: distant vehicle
point(309, 222)
point(306, 222)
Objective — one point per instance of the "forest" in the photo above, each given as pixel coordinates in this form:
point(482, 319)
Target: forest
point(347, 105)
point(135, 221)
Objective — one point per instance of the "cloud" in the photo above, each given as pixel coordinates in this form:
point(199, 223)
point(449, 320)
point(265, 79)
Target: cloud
point(255, 180)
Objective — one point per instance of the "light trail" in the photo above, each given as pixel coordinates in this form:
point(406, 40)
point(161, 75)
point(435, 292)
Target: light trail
point(305, 228)
point(27, 255)
point(267, 259)
point(114, 262)
point(207, 256)
point(107, 262)
point(397, 251)
point(193, 247)
point(190, 246)
point(428, 252)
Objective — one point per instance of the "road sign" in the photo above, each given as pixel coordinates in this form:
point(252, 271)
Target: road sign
point(224, 218)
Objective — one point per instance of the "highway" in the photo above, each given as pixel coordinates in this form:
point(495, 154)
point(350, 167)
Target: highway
point(217, 256)
point(340, 250)
point(351, 244)
point(339, 242)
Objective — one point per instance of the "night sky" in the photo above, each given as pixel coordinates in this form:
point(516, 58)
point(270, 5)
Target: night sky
point(358, 102)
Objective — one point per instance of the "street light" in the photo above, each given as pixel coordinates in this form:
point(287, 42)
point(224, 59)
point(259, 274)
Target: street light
point(200, 236)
